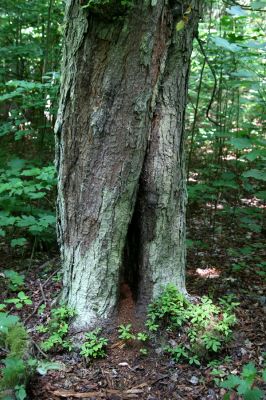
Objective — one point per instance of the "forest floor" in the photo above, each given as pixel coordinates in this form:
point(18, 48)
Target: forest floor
point(124, 373)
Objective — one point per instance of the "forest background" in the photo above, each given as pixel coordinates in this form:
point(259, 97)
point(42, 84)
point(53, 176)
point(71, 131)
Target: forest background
point(225, 125)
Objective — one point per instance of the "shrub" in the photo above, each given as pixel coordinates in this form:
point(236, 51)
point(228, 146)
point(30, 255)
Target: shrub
point(94, 346)
point(58, 328)
point(206, 325)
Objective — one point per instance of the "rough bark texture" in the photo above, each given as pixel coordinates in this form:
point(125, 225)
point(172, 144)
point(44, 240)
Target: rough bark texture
point(121, 200)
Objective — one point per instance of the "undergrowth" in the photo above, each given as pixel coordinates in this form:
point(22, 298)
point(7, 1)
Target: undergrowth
point(13, 342)
point(57, 329)
point(200, 330)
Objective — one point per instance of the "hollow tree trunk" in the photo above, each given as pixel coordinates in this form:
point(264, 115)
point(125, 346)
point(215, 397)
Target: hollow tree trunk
point(121, 191)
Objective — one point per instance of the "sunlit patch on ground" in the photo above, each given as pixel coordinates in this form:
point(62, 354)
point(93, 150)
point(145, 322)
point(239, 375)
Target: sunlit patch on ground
point(208, 272)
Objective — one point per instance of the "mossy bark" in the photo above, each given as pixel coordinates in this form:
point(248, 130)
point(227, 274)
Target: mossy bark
point(120, 154)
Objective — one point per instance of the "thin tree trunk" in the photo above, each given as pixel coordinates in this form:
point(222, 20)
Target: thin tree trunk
point(120, 154)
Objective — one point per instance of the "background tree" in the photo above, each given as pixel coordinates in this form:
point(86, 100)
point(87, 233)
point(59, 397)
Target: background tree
point(120, 142)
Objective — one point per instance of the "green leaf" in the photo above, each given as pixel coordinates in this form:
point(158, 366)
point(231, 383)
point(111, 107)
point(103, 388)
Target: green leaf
point(6, 321)
point(243, 387)
point(264, 375)
point(16, 163)
point(256, 174)
point(253, 394)
point(242, 73)
point(2, 233)
point(220, 42)
point(18, 242)
point(180, 25)
point(45, 366)
point(249, 372)
point(241, 143)
point(20, 392)
point(231, 382)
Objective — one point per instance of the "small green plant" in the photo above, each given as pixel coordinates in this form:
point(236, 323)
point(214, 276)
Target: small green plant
point(244, 385)
point(125, 332)
point(142, 336)
point(15, 280)
point(20, 301)
point(206, 325)
point(143, 351)
point(94, 346)
point(168, 310)
point(177, 352)
point(181, 352)
point(58, 328)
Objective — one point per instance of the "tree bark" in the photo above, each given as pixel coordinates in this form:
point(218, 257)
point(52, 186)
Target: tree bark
point(120, 152)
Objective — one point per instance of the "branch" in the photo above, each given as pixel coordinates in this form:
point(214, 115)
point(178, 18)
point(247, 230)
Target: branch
point(214, 86)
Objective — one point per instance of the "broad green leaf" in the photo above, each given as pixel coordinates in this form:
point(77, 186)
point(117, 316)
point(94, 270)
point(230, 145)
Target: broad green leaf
point(253, 394)
point(31, 172)
point(231, 382)
point(45, 366)
point(20, 392)
point(242, 73)
point(18, 242)
point(249, 372)
point(241, 143)
point(220, 42)
point(180, 25)
point(6, 321)
point(16, 163)
point(256, 174)
point(261, 195)
point(26, 221)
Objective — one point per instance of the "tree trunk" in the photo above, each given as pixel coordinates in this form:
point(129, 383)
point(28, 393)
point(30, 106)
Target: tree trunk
point(120, 158)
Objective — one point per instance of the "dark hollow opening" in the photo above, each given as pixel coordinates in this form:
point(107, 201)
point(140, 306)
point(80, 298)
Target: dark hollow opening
point(130, 272)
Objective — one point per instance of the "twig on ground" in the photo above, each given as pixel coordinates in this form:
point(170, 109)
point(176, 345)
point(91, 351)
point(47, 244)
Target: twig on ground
point(42, 300)
point(39, 349)
point(42, 292)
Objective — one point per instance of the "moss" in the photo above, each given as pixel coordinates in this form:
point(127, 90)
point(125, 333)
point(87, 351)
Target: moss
point(16, 341)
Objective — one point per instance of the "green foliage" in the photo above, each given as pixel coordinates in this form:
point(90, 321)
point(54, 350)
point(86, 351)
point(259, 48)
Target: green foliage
point(22, 187)
point(227, 148)
point(13, 335)
point(244, 385)
point(94, 346)
point(30, 47)
point(17, 366)
point(207, 326)
point(20, 301)
point(167, 309)
point(15, 280)
point(57, 327)
point(14, 340)
point(143, 351)
point(125, 332)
